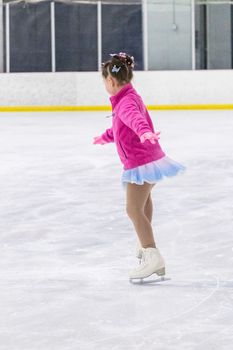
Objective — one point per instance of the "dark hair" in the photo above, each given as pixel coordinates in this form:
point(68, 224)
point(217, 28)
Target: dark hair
point(120, 66)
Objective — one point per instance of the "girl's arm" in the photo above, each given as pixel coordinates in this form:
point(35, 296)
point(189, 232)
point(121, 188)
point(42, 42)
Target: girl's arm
point(131, 116)
point(107, 136)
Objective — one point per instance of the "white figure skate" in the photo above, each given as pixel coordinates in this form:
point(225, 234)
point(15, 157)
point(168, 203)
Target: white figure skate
point(152, 262)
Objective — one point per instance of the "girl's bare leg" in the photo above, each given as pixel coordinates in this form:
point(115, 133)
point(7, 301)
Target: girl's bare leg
point(139, 208)
point(148, 209)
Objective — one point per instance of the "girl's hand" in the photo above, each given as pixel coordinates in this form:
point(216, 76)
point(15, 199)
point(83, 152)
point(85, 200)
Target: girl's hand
point(152, 137)
point(98, 140)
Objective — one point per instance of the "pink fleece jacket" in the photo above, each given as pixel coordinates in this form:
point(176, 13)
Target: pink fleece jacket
point(130, 120)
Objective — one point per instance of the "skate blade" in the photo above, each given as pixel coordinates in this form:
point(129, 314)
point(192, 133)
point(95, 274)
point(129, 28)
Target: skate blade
point(145, 280)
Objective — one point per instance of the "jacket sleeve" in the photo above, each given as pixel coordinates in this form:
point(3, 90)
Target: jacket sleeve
point(108, 135)
point(131, 116)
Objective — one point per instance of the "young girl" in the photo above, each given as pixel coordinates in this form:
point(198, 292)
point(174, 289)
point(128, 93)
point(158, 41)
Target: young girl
point(144, 161)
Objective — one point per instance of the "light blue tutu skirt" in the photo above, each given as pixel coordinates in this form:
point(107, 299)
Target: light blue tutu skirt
point(152, 172)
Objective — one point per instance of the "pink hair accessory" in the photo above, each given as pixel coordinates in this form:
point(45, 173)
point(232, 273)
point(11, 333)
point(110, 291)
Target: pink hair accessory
point(124, 56)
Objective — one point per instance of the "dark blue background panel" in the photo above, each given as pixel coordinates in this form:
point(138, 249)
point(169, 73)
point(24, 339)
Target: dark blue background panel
point(30, 37)
point(76, 37)
point(122, 31)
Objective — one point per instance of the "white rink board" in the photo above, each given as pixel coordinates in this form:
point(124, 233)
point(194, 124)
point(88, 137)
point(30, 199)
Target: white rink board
point(87, 88)
point(67, 244)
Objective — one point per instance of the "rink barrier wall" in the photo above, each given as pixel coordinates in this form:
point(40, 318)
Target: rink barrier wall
point(85, 91)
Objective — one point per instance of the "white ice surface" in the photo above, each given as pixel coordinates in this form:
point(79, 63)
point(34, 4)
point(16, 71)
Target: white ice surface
point(66, 243)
